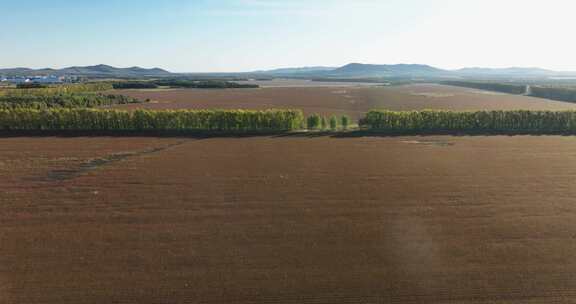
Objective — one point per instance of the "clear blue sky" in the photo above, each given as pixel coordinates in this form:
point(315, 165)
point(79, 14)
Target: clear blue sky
point(243, 35)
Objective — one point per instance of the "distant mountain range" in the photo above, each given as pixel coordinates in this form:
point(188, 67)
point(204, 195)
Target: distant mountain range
point(101, 70)
point(352, 70)
point(508, 71)
point(359, 70)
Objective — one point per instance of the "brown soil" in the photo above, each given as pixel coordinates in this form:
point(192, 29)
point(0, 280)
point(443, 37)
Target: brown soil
point(288, 220)
point(352, 100)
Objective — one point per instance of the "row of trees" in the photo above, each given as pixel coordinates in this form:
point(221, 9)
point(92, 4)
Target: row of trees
point(487, 121)
point(238, 121)
point(282, 120)
point(59, 89)
point(554, 93)
point(567, 94)
point(490, 86)
point(202, 84)
point(32, 85)
point(182, 83)
point(139, 120)
point(333, 123)
point(134, 85)
point(66, 100)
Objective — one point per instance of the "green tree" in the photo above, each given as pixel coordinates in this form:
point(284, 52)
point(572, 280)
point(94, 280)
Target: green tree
point(333, 123)
point(345, 122)
point(314, 122)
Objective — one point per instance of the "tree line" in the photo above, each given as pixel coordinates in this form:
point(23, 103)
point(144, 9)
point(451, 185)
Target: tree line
point(248, 121)
point(58, 89)
point(64, 100)
point(58, 119)
point(567, 94)
point(332, 123)
point(182, 83)
point(85, 95)
point(475, 121)
point(490, 86)
point(554, 93)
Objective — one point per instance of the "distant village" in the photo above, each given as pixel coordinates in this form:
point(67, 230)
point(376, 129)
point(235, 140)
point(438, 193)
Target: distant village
point(50, 79)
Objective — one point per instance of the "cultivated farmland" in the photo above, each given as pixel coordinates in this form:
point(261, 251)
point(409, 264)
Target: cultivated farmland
point(292, 217)
point(352, 100)
point(287, 220)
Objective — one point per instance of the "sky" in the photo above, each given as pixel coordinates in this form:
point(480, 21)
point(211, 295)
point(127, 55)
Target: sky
point(247, 35)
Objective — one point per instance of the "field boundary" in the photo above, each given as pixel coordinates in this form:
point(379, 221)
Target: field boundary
point(291, 134)
point(250, 123)
point(147, 133)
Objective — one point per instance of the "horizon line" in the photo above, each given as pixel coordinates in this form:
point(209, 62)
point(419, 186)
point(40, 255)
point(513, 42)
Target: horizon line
point(278, 68)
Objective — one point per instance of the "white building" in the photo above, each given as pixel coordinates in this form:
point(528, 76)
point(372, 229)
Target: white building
point(34, 79)
point(17, 80)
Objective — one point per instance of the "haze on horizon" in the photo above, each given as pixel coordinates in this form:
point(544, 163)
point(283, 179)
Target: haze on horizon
point(247, 35)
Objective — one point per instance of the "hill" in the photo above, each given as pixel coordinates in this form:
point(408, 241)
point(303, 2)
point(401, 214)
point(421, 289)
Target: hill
point(385, 70)
point(101, 70)
point(349, 71)
point(354, 70)
point(360, 70)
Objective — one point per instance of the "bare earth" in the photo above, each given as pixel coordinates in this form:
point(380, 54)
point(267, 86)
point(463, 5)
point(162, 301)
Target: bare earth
point(354, 100)
point(288, 220)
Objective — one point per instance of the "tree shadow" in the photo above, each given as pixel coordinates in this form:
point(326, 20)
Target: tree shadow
point(275, 134)
point(165, 134)
point(467, 133)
